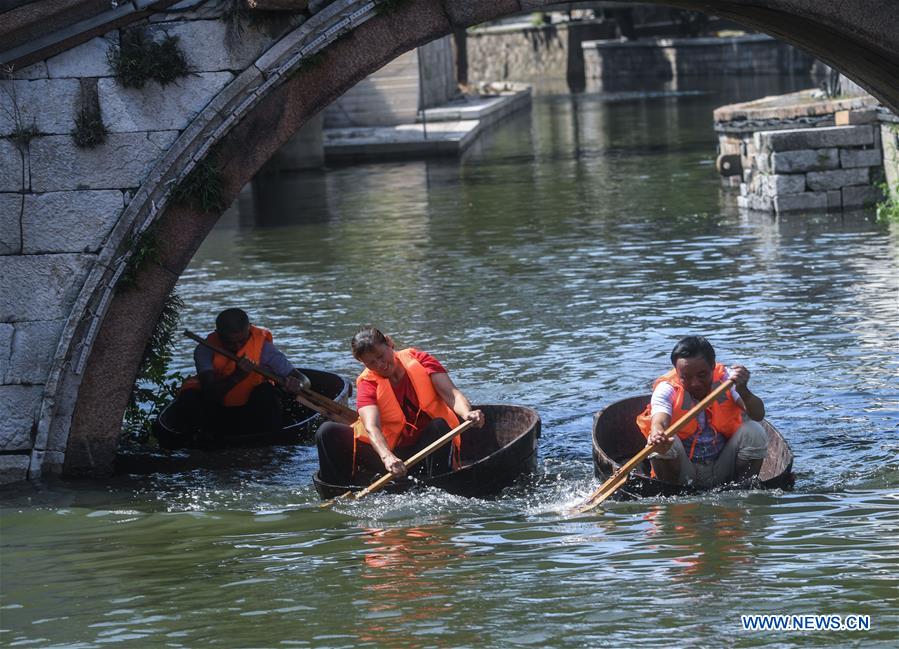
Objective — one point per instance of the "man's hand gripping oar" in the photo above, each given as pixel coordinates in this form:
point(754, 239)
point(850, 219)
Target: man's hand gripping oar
point(619, 478)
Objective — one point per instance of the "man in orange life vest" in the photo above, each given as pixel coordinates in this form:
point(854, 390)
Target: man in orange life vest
point(228, 396)
point(722, 444)
point(406, 400)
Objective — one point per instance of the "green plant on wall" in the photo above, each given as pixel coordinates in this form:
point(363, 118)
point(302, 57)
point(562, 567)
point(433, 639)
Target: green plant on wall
point(138, 59)
point(155, 386)
point(146, 250)
point(888, 209)
point(89, 128)
point(203, 188)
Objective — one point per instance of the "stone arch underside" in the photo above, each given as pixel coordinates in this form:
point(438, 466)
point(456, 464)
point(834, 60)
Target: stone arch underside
point(105, 334)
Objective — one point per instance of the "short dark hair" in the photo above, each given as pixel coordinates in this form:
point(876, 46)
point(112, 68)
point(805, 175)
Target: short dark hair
point(691, 347)
point(366, 339)
point(231, 321)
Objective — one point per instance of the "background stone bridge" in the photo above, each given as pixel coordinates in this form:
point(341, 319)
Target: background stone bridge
point(75, 220)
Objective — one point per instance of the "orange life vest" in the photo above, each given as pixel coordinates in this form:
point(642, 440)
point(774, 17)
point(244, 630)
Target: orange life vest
point(725, 415)
point(393, 420)
point(223, 366)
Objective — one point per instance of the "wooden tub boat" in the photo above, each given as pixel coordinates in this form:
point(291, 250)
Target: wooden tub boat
point(616, 439)
point(298, 426)
point(493, 457)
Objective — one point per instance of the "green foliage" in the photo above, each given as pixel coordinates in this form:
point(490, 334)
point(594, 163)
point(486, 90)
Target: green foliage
point(155, 386)
point(89, 128)
point(203, 188)
point(888, 209)
point(146, 250)
point(138, 59)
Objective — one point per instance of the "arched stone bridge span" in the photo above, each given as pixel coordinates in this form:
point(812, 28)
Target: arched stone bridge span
point(71, 333)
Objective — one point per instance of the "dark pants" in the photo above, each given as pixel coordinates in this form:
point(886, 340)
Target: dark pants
point(335, 454)
point(261, 414)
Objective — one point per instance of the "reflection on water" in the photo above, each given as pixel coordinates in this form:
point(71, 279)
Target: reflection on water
point(554, 267)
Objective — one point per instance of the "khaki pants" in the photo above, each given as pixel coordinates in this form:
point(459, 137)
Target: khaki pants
point(749, 443)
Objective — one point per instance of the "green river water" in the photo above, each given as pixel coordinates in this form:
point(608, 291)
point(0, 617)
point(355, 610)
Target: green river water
point(554, 266)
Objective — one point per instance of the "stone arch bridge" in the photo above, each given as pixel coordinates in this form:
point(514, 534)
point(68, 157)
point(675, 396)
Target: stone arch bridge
point(73, 218)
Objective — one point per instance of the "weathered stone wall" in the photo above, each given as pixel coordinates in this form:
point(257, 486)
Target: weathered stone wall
point(668, 59)
point(60, 203)
point(393, 95)
point(529, 53)
point(814, 169)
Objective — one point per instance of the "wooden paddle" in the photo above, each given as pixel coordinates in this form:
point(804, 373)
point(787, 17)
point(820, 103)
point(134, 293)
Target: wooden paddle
point(321, 404)
point(384, 480)
point(618, 478)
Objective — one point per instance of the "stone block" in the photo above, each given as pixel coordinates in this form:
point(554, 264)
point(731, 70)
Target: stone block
point(853, 117)
point(11, 168)
point(69, 221)
point(34, 71)
point(834, 200)
point(208, 47)
point(778, 184)
point(33, 346)
point(155, 107)
point(14, 468)
point(123, 161)
point(40, 287)
point(10, 224)
point(7, 331)
point(49, 105)
point(814, 138)
point(860, 158)
point(804, 202)
point(790, 162)
point(861, 196)
point(86, 60)
point(837, 178)
point(19, 405)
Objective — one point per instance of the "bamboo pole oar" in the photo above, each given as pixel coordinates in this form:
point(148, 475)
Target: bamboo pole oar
point(384, 480)
point(617, 480)
point(322, 404)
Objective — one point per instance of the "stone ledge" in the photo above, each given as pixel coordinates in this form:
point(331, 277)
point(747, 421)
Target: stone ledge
point(804, 202)
point(837, 179)
point(803, 160)
point(814, 138)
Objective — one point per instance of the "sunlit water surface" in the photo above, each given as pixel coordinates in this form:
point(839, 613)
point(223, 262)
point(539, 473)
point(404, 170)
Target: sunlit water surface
point(555, 267)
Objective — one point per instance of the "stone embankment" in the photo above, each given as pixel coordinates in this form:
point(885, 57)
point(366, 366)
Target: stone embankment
point(797, 153)
point(610, 62)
